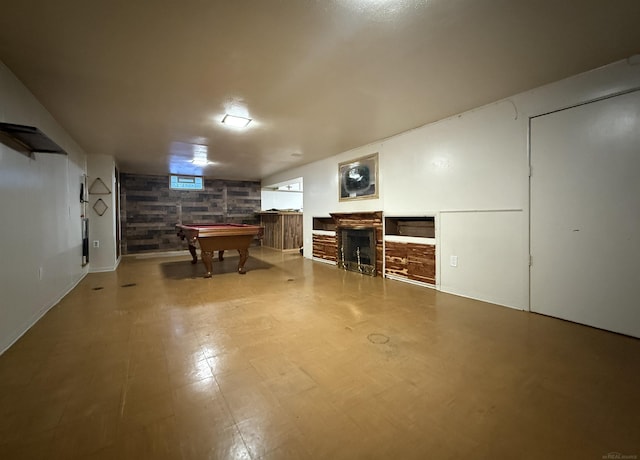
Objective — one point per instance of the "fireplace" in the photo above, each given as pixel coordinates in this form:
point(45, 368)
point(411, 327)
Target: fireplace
point(357, 250)
point(358, 241)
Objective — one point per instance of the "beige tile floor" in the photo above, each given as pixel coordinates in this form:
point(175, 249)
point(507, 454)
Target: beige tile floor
point(298, 360)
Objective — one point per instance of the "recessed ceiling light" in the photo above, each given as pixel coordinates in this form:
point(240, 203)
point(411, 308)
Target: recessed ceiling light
point(236, 122)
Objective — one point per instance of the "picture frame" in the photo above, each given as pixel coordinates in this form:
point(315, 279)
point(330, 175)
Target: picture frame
point(358, 178)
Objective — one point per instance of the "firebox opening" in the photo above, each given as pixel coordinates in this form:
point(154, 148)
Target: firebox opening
point(358, 250)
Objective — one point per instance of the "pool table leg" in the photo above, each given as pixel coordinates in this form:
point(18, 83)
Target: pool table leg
point(192, 250)
point(244, 254)
point(207, 256)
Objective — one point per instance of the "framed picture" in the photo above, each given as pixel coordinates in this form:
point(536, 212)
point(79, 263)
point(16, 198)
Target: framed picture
point(358, 179)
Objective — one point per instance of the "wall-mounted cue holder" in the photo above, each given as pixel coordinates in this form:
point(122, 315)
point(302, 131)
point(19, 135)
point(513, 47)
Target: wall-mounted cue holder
point(84, 190)
point(98, 187)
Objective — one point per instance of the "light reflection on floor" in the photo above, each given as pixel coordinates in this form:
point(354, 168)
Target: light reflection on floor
point(298, 360)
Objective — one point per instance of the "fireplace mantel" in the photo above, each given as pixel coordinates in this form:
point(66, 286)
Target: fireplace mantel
point(357, 219)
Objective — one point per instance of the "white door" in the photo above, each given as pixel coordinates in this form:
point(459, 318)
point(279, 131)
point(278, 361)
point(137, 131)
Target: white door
point(585, 214)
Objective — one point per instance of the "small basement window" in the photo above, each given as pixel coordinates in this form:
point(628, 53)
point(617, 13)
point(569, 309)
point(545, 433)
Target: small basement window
point(186, 182)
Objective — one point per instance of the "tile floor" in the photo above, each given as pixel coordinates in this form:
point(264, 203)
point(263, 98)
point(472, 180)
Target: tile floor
point(298, 360)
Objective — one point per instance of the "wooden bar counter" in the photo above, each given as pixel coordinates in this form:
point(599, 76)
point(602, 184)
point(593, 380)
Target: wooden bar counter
point(282, 230)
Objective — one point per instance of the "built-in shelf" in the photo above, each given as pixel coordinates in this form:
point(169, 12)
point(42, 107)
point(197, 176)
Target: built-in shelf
point(412, 227)
point(409, 239)
point(410, 249)
point(27, 139)
point(326, 224)
point(324, 240)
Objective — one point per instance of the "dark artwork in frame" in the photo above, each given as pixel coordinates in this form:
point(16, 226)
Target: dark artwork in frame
point(358, 179)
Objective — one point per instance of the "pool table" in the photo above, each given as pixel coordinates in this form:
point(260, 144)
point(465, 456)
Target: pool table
point(219, 237)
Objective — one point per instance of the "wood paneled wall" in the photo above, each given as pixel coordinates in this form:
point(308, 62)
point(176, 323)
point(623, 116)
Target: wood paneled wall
point(416, 262)
point(282, 230)
point(325, 247)
point(150, 210)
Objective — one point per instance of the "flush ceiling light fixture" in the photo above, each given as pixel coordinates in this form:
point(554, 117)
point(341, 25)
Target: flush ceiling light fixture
point(236, 122)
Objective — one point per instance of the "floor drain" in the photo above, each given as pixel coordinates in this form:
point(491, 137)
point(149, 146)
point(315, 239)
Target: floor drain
point(128, 285)
point(378, 338)
point(99, 288)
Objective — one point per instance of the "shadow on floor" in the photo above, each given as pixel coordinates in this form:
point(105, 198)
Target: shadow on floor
point(184, 269)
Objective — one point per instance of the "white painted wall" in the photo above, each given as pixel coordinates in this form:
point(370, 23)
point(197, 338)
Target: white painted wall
point(41, 244)
point(102, 228)
point(280, 199)
point(471, 169)
point(488, 252)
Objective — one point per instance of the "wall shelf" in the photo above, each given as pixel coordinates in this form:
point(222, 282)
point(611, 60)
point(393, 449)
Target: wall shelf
point(418, 227)
point(410, 249)
point(27, 139)
point(324, 224)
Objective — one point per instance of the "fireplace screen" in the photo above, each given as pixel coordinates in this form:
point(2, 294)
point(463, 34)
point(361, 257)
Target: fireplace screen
point(357, 250)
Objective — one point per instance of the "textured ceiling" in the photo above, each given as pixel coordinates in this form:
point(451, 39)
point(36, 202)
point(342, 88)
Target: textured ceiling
point(149, 81)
